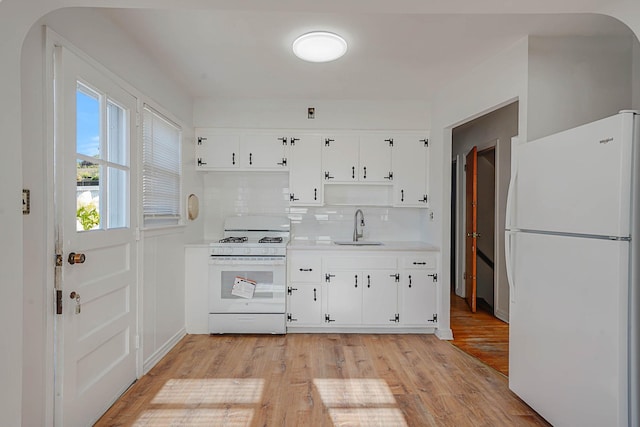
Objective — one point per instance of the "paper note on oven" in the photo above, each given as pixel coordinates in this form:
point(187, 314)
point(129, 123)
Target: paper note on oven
point(243, 287)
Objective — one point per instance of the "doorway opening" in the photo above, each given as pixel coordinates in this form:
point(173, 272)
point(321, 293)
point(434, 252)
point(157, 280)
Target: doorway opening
point(481, 169)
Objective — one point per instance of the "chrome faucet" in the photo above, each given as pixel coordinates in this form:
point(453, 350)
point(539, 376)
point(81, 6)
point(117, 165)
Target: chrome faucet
point(357, 235)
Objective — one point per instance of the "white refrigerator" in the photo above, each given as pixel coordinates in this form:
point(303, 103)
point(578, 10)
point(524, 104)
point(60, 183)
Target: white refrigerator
point(572, 249)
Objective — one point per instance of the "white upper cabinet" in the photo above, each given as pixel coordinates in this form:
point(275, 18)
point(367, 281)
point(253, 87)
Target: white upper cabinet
point(305, 171)
point(340, 158)
point(351, 158)
point(375, 158)
point(264, 151)
point(217, 150)
point(410, 170)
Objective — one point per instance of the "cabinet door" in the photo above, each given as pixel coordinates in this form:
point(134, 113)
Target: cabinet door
point(418, 296)
point(344, 298)
point(305, 171)
point(410, 171)
point(304, 305)
point(379, 297)
point(340, 158)
point(375, 158)
point(264, 151)
point(217, 150)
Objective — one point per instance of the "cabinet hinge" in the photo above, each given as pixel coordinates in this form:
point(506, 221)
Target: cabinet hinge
point(424, 199)
point(283, 162)
point(328, 319)
point(292, 197)
point(327, 175)
point(201, 139)
point(390, 176)
point(290, 318)
point(395, 319)
point(425, 142)
point(290, 290)
point(434, 319)
point(328, 141)
point(327, 277)
point(201, 162)
point(396, 277)
point(284, 140)
point(390, 141)
point(434, 276)
point(292, 141)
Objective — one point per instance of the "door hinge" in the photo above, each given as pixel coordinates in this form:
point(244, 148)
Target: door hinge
point(328, 319)
point(434, 319)
point(137, 342)
point(137, 234)
point(425, 142)
point(201, 139)
point(433, 276)
point(465, 168)
point(390, 141)
point(290, 318)
point(58, 293)
point(290, 290)
point(59, 260)
point(395, 319)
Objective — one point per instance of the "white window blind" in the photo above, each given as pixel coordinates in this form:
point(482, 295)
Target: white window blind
point(161, 169)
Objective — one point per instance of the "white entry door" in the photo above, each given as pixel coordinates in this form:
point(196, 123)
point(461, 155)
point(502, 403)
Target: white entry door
point(96, 272)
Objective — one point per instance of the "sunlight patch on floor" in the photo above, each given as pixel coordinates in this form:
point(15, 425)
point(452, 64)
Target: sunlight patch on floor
point(230, 417)
point(370, 417)
point(210, 391)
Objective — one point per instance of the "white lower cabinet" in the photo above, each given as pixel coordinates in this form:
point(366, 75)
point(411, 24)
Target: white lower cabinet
point(371, 291)
point(380, 297)
point(304, 305)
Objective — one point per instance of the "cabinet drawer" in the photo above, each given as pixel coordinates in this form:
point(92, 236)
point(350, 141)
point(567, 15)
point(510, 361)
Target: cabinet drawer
point(304, 269)
point(422, 261)
point(361, 263)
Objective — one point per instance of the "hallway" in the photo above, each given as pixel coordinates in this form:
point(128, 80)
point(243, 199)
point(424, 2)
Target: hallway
point(480, 334)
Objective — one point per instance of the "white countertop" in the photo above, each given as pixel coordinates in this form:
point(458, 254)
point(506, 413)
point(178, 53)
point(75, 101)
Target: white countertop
point(326, 245)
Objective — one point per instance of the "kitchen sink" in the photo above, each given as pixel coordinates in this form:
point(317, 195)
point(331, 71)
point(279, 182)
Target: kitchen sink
point(358, 243)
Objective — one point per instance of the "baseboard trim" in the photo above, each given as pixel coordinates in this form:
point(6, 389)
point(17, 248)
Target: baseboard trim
point(356, 330)
point(502, 315)
point(444, 334)
point(162, 351)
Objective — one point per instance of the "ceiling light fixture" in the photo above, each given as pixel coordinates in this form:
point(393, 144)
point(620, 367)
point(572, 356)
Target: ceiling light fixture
point(319, 46)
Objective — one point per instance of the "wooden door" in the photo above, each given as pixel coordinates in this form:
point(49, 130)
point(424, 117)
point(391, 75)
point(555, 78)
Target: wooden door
point(96, 332)
point(471, 228)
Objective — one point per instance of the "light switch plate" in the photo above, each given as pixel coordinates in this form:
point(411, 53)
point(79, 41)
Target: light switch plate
point(26, 202)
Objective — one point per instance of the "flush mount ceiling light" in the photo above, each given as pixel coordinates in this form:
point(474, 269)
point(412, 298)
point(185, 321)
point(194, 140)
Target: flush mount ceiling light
point(319, 46)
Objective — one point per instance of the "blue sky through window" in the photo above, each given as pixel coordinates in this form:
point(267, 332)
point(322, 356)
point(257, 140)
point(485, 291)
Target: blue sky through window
point(87, 124)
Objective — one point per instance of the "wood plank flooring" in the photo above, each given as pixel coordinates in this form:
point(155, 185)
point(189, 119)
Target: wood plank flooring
point(319, 380)
point(480, 334)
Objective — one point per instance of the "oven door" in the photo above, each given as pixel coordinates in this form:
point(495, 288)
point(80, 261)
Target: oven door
point(268, 274)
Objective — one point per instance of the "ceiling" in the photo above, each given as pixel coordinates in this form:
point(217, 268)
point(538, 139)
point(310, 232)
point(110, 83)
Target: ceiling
point(247, 54)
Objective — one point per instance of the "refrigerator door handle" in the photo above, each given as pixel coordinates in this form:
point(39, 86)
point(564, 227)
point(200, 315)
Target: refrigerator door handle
point(512, 180)
point(509, 266)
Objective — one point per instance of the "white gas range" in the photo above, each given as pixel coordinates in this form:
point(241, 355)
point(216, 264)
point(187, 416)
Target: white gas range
point(247, 276)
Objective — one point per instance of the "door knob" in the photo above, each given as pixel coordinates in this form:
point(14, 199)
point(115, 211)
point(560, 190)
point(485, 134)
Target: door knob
point(75, 258)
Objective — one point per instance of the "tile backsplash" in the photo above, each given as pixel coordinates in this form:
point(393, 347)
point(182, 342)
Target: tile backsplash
point(267, 193)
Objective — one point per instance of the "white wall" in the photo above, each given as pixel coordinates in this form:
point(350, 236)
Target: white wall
point(498, 126)
point(330, 114)
point(636, 75)
point(497, 82)
point(161, 256)
point(576, 80)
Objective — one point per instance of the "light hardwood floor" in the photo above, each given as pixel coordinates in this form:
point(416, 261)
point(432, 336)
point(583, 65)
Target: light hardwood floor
point(319, 380)
point(480, 334)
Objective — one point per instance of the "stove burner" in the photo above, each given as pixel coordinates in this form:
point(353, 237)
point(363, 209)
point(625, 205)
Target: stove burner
point(233, 239)
point(270, 240)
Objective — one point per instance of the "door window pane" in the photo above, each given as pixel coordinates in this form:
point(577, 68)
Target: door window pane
point(101, 127)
